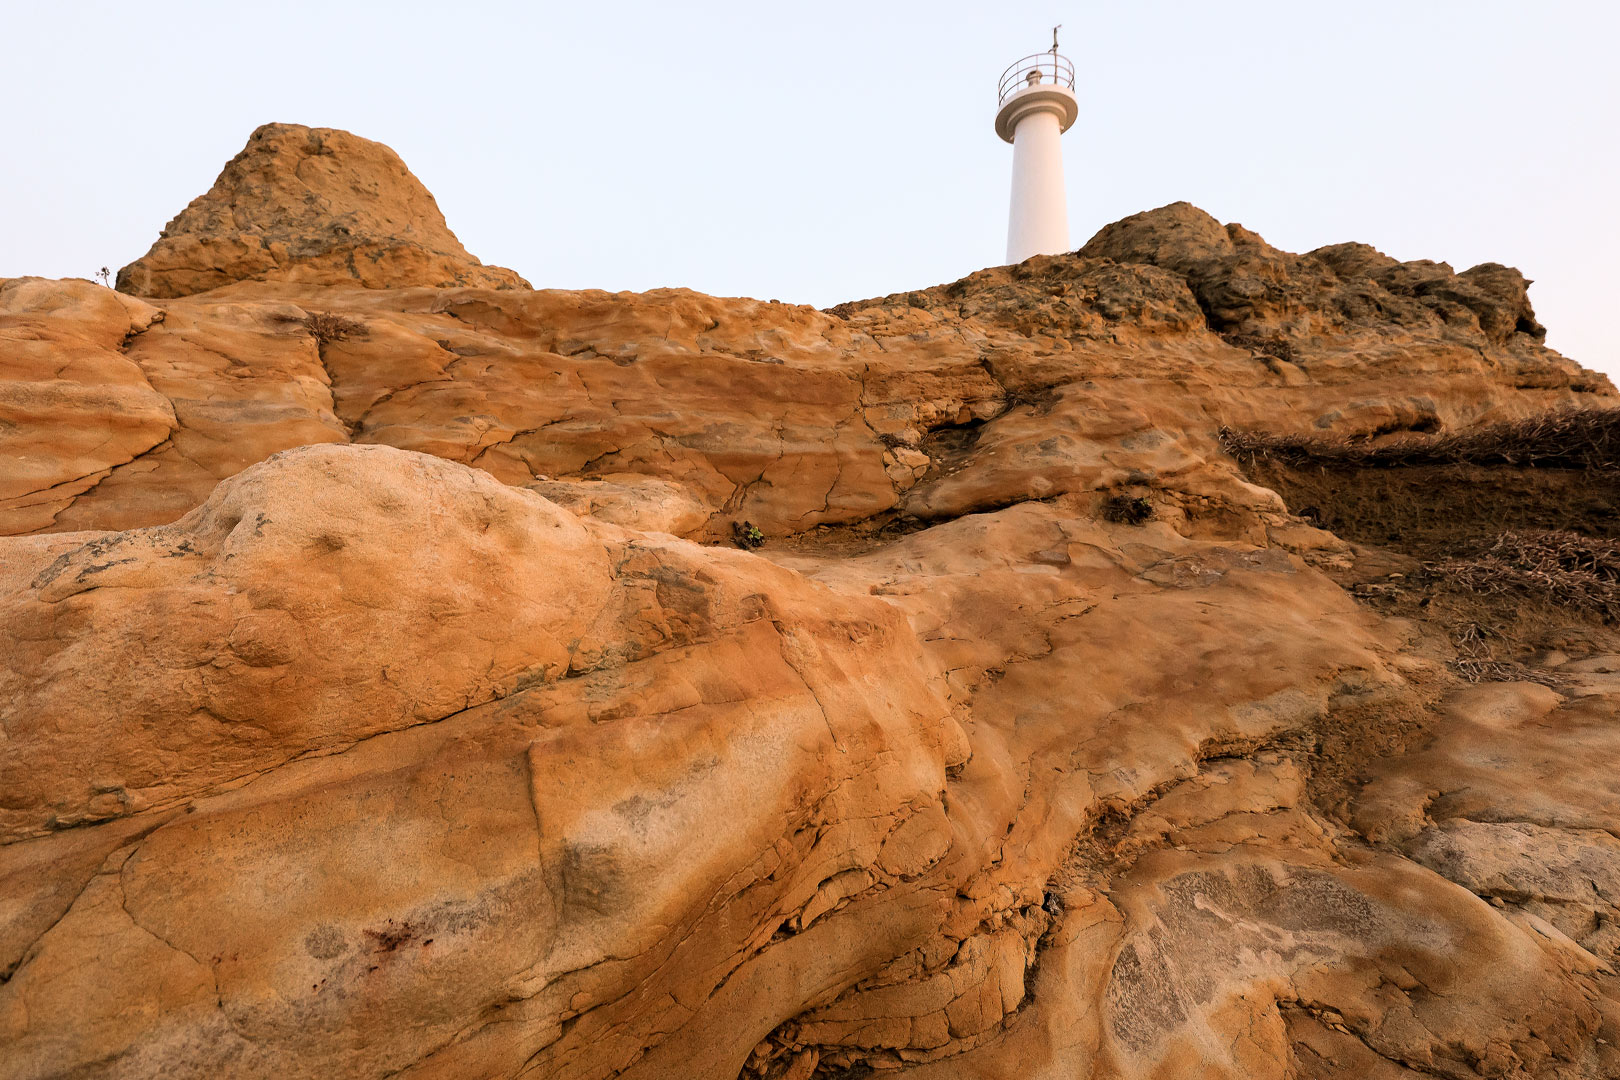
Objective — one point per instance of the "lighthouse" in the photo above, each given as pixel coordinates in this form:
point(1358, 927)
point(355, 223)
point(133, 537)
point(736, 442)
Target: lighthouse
point(1035, 105)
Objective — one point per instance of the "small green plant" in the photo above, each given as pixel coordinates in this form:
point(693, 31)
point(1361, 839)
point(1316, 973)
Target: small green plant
point(1127, 509)
point(746, 535)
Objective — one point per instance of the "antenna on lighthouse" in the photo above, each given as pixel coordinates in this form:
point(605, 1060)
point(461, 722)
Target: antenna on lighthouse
point(1035, 105)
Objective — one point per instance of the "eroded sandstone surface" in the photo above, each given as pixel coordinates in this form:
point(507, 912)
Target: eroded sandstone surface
point(383, 694)
point(315, 205)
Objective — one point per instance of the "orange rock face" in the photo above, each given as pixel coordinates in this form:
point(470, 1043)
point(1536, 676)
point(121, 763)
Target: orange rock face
point(377, 700)
point(314, 205)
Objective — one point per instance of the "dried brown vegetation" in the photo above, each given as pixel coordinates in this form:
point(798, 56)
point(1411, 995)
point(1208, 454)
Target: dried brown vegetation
point(1127, 510)
point(326, 327)
point(1267, 345)
point(1568, 438)
point(1563, 567)
point(1501, 540)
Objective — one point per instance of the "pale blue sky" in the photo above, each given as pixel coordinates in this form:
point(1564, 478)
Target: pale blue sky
point(831, 151)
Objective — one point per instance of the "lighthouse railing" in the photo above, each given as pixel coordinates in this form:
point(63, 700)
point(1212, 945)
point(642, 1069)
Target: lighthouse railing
point(1053, 67)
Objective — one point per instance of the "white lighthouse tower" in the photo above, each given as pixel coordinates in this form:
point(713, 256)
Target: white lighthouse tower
point(1036, 105)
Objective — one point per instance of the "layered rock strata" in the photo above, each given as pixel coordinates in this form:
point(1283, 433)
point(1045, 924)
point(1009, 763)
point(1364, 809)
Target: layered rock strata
point(378, 702)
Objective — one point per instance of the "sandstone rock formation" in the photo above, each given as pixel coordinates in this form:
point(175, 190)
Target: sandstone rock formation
point(314, 205)
point(384, 698)
point(1064, 374)
point(1245, 286)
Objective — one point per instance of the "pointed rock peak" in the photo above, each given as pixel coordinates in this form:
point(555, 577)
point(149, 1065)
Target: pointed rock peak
point(316, 206)
point(1174, 237)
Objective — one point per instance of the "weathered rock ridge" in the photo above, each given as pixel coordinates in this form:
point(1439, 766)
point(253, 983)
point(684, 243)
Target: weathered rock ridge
point(314, 205)
point(378, 702)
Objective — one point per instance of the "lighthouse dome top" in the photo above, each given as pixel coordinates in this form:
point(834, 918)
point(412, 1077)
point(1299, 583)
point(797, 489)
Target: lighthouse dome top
point(1039, 83)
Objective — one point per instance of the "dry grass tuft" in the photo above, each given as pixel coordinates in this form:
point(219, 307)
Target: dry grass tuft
point(1566, 439)
point(326, 327)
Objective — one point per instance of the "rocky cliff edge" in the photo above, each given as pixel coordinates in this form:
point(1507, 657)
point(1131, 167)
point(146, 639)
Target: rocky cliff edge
point(388, 692)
